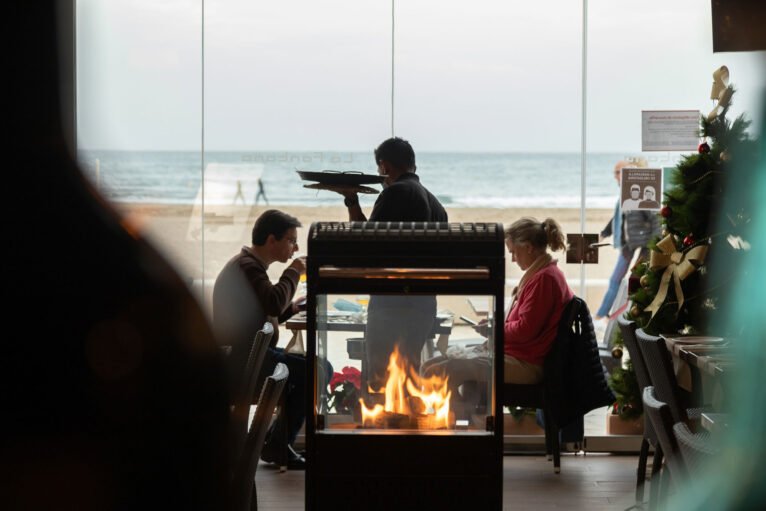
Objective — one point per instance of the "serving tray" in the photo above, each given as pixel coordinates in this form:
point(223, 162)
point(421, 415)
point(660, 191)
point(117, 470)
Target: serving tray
point(336, 177)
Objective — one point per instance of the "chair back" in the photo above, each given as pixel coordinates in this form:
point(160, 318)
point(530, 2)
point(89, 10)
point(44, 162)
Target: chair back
point(628, 330)
point(560, 353)
point(695, 448)
point(660, 368)
point(660, 417)
point(534, 395)
point(245, 393)
point(243, 480)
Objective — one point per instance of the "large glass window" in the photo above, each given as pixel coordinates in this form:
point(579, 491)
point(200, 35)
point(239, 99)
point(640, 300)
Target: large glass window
point(194, 115)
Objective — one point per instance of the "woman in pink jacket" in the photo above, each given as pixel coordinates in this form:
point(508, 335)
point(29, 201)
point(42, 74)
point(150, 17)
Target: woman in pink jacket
point(537, 302)
point(532, 321)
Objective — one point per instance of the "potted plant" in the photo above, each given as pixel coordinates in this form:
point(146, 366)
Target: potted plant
point(345, 391)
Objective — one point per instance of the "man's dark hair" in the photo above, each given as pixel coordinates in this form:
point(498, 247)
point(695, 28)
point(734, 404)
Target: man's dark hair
point(272, 222)
point(397, 152)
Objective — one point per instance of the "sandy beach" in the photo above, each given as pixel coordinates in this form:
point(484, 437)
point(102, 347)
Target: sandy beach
point(176, 229)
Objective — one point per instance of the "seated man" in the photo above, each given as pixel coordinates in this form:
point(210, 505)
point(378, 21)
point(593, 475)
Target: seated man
point(244, 298)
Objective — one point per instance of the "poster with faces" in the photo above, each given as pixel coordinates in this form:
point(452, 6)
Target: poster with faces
point(641, 189)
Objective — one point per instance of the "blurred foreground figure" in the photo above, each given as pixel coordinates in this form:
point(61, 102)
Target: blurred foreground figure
point(111, 388)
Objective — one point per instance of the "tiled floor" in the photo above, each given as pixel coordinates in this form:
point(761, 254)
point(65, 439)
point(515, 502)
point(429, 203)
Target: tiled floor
point(593, 482)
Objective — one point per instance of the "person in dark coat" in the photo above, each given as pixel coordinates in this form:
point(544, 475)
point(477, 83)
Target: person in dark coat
point(403, 321)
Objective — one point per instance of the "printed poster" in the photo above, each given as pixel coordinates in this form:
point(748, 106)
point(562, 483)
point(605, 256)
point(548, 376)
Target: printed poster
point(641, 189)
point(670, 130)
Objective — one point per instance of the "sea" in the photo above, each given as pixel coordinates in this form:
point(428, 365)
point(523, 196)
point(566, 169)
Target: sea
point(458, 179)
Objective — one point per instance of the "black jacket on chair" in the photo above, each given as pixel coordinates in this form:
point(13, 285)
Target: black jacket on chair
point(574, 374)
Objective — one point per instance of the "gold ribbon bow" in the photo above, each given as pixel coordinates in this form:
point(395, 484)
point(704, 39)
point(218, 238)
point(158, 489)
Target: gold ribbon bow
point(678, 265)
point(720, 91)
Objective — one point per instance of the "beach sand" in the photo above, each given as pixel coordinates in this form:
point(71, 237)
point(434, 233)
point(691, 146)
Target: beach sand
point(176, 230)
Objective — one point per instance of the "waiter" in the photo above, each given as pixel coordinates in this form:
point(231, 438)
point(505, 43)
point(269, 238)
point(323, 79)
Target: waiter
point(406, 321)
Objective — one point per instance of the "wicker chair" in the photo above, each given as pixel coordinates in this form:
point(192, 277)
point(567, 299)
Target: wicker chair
point(660, 415)
point(628, 329)
point(660, 367)
point(243, 495)
point(245, 393)
point(696, 448)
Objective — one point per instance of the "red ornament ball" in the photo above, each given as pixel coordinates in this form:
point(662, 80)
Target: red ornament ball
point(666, 212)
point(703, 148)
point(688, 240)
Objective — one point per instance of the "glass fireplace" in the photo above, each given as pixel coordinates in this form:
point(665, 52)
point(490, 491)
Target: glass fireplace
point(409, 416)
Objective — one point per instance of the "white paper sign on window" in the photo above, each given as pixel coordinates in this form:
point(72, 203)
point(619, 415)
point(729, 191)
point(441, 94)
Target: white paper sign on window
point(670, 130)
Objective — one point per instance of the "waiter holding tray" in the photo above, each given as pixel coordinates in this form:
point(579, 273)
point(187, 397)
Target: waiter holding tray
point(391, 320)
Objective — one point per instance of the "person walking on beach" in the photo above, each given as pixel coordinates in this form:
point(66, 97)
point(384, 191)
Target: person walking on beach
point(406, 320)
point(239, 194)
point(261, 193)
point(630, 231)
point(244, 298)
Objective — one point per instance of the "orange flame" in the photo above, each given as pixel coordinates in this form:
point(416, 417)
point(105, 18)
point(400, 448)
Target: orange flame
point(433, 393)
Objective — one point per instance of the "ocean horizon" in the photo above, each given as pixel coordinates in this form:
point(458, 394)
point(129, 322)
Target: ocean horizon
point(457, 179)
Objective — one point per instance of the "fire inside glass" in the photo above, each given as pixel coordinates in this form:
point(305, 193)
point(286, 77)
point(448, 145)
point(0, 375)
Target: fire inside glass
point(404, 363)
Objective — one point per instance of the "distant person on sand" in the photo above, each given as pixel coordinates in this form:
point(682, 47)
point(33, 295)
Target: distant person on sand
point(630, 231)
point(239, 194)
point(261, 193)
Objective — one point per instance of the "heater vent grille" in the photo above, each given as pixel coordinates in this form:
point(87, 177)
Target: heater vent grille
point(405, 231)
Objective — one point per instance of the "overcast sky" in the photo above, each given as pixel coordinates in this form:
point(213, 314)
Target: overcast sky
point(491, 75)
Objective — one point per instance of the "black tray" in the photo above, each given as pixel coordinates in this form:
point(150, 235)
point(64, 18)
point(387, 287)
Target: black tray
point(336, 177)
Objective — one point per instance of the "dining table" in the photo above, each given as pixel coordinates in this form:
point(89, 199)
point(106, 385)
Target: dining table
point(345, 321)
point(714, 422)
point(701, 364)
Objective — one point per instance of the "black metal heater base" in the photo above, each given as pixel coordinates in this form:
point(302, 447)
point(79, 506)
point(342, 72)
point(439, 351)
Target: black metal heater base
point(404, 472)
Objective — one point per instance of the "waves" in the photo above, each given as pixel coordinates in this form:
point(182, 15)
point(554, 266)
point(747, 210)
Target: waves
point(459, 180)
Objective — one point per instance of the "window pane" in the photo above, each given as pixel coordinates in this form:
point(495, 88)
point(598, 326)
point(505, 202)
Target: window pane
point(139, 116)
point(292, 85)
point(490, 98)
point(635, 63)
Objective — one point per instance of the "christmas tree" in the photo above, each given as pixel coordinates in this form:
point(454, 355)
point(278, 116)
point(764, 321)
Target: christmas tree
point(674, 292)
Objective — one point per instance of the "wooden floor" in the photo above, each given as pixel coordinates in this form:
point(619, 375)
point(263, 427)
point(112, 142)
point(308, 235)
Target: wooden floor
point(593, 482)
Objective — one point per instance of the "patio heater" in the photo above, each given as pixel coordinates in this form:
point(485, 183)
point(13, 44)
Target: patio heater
point(382, 300)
